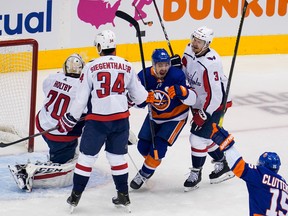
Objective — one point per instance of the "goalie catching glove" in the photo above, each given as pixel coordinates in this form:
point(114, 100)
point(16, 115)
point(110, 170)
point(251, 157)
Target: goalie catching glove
point(178, 91)
point(66, 123)
point(221, 137)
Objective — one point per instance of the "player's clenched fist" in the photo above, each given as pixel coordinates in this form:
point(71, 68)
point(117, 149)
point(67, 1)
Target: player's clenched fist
point(150, 97)
point(178, 91)
point(66, 123)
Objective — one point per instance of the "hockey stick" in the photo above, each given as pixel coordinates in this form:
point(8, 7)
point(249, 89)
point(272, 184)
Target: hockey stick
point(149, 23)
point(3, 145)
point(163, 28)
point(132, 21)
point(233, 62)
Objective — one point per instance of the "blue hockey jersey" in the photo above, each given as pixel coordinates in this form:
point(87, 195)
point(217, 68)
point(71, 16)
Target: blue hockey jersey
point(268, 191)
point(164, 108)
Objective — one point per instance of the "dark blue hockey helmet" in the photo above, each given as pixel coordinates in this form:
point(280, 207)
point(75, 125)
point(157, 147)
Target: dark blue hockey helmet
point(270, 160)
point(160, 55)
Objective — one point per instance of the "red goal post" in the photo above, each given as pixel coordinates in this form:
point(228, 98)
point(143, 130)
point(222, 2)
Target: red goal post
point(18, 84)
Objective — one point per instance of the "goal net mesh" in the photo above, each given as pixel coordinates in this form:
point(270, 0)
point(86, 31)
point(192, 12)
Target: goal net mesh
point(16, 64)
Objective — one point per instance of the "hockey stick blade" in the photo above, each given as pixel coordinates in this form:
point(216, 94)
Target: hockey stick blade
point(132, 21)
point(129, 19)
point(149, 23)
point(3, 145)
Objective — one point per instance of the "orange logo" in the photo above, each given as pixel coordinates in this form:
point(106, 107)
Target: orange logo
point(162, 100)
point(200, 10)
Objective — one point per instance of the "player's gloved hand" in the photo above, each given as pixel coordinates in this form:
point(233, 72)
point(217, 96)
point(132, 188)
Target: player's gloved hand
point(150, 97)
point(178, 91)
point(66, 123)
point(221, 137)
point(176, 61)
point(132, 139)
point(199, 118)
point(130, 101)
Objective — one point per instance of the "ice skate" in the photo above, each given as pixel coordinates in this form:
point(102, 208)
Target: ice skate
point(193, 180)
point(73, 200)
point(138, 180)
point(122, 200)
point(221, 172)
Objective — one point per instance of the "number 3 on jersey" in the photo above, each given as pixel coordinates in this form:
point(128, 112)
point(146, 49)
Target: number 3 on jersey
point(105, 84)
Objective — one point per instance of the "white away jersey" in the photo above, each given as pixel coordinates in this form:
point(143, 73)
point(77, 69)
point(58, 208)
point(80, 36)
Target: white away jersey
point(59, 91)
point(104, 83)
point(205, 75)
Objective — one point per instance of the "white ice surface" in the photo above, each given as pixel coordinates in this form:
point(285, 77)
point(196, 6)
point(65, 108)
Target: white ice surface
point(258, 120)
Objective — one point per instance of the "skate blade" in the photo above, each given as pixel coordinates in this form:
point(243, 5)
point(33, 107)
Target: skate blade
point(71, 209)
point(125, 208)
point(225, 177)
point(187, 189)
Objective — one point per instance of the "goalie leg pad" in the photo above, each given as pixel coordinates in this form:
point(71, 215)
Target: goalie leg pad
point(42, 174)
point(53, 175)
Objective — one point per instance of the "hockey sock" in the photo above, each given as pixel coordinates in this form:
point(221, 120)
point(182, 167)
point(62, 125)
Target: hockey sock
point(121, 182)
point(217, 155)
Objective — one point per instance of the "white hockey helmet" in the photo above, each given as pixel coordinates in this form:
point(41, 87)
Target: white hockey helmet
point(203, 33)
point(105, 40)
point(73, 65)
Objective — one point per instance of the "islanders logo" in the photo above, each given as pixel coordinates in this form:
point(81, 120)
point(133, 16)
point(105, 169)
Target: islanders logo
point(162, 100)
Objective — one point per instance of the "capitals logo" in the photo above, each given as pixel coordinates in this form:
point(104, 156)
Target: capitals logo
point(162, 100)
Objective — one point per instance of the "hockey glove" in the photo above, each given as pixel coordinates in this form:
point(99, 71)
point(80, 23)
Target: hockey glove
point(130, 101)
point(179, 91)
point(199, 118)
point(221, 137)
point(150, 97)
point(176, 61)
point(132, 139)
point(66, 123)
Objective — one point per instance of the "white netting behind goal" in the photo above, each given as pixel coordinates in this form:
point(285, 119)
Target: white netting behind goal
point(16, 63)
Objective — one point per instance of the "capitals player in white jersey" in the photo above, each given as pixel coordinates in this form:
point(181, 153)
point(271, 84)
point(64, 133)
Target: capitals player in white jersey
point(59, 91)
point(170, 110)
point(203, 68)
point(268, 191)
point(103, 87)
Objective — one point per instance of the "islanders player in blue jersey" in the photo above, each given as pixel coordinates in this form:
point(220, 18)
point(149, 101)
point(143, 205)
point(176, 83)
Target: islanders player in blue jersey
point(170, 108)
point(268, 191)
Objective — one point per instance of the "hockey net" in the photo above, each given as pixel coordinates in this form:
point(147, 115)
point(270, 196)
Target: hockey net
point(18, 81)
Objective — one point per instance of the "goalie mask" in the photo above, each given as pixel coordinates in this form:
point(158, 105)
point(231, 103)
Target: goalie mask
point(73, 66)
point(270, 160)
point(161, 62)
point(201, 40)
point(105, 40)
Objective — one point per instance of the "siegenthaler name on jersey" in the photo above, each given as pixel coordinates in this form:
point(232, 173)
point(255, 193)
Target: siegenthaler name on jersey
point(111, 65)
